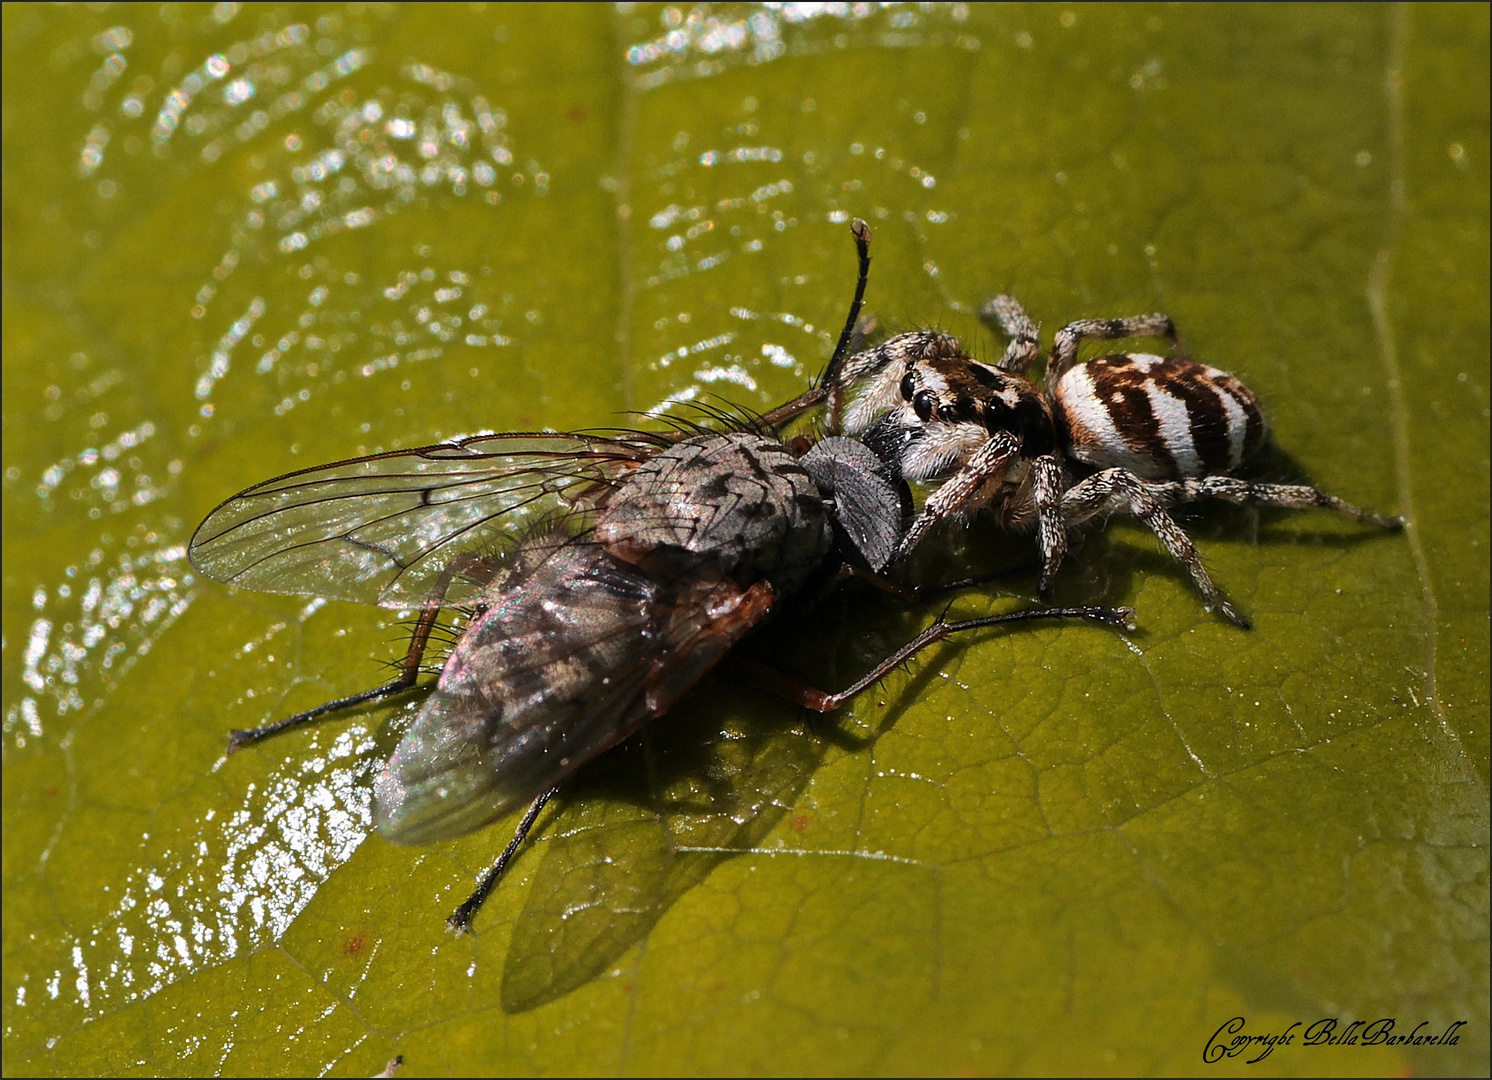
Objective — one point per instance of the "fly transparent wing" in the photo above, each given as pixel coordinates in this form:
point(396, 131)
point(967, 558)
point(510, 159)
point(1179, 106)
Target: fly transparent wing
point(381, 529)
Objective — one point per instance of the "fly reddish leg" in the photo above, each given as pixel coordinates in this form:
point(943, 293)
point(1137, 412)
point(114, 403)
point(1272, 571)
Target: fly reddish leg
point(409, 668)
point(785, 686)
point(914, 594)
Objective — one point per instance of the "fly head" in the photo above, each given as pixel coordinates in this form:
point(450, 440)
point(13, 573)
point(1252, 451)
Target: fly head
point(872, 505)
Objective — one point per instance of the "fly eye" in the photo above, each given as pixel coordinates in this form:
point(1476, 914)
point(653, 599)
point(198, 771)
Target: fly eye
point(908, 387)
point(922, 404)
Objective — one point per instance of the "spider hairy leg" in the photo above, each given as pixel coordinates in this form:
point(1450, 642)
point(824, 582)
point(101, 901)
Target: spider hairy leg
point(1005, 314)
point(1286, 496)
point(1065, 347)
point(1100, 492)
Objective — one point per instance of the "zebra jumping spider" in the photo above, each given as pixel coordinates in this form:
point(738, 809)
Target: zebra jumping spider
point(1158, 431)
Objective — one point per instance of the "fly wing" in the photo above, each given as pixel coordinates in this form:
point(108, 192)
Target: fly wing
point(381, 529)
point(575, 653)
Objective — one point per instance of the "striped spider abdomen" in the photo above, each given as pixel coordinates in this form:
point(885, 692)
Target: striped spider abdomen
point(1161, 418)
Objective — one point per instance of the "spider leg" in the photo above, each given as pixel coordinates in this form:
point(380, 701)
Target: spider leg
point(1051, 529)
point(1248, 493)
point(1006, 313)
point(1065, 347)
point(1117, 489)
point(985, 464)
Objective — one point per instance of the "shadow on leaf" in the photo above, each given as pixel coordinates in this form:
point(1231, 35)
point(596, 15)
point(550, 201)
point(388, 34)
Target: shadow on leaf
point(644, 825)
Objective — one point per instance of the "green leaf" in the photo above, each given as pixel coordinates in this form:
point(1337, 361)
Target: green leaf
point(245, 241)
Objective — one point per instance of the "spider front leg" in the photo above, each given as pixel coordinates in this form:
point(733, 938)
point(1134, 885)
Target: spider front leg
point(1065, 347)
point(987, 463)
point(1100, 492)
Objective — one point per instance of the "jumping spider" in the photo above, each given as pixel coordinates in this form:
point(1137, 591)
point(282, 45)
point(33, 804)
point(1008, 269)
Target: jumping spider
point(1158, 430)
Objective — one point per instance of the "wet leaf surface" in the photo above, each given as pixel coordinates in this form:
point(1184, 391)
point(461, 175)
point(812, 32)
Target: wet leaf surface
point(240, 244)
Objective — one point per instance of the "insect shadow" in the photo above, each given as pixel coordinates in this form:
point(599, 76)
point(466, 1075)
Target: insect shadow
point(646, 824)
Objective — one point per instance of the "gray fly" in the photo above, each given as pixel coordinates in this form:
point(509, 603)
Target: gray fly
point(602, 576)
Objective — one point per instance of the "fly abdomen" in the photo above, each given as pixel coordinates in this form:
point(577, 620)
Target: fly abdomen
point(1161, 418)
point(582, 640)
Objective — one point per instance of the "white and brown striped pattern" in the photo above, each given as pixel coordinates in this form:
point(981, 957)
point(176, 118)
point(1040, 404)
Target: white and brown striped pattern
point(1161, 418)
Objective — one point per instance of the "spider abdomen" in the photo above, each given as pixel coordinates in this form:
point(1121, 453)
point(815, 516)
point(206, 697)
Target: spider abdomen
point(1161, 418)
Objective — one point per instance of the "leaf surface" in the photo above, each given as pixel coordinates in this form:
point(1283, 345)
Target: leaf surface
point(242, 244)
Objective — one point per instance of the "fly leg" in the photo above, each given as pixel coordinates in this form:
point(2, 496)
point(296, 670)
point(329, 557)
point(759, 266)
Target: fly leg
point(460, 920)
point(785, 686)
point(832, 377)
point(916, 594)
point(409, 668)
point(736, 611)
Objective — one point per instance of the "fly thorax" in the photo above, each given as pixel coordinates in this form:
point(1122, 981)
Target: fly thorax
point(736, 504)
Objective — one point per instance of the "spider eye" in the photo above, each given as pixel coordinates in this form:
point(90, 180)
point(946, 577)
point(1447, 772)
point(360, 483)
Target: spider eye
point(945, 412)
point(922, 404)
point(908, 386)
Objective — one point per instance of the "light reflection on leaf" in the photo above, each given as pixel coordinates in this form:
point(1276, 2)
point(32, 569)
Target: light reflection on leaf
point(1050, 831)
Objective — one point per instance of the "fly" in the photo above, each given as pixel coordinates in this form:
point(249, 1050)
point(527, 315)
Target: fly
point(603, 576)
